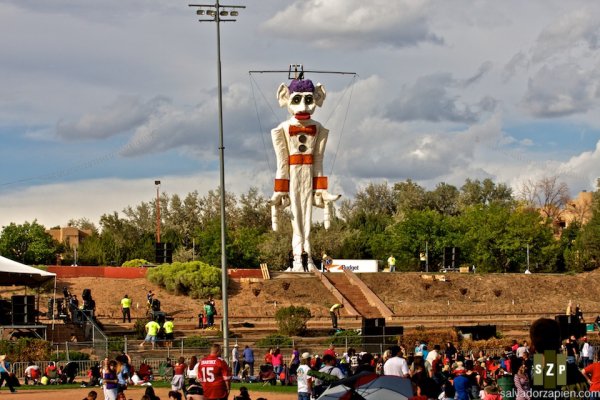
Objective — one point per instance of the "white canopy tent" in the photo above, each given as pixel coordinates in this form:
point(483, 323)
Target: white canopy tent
point(15, 273)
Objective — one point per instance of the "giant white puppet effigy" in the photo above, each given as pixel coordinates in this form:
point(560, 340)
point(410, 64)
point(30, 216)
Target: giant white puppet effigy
point(299, 144)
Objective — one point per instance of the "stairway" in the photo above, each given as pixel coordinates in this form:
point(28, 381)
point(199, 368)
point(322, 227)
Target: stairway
point(354, 295)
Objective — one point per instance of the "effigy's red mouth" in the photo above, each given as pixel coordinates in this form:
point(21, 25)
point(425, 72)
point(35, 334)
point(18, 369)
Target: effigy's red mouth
point(303, 115)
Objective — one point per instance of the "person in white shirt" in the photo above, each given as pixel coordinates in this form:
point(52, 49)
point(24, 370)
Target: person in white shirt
point(305, 381)
point(330, 368)
point(396, 365)
point(433, 354)
point(235, 359)
point(522, 349)
point(587, 352)
point(32, 373)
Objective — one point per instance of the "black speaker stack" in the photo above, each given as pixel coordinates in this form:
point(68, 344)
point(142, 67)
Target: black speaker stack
point(570, 325)
point(375, 332)
point(23, 310)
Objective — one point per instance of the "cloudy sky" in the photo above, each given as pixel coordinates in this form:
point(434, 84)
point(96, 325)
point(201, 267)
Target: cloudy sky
point(100, 98)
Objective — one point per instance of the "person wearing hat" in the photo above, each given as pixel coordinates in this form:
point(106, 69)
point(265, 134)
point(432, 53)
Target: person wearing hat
point(5, 373)
point(305, 382)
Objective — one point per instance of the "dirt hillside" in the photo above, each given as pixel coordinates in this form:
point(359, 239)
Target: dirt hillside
point(405, 293)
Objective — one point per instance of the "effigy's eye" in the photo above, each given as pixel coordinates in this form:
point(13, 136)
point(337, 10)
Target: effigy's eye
point(296, 99)
point(308, 99)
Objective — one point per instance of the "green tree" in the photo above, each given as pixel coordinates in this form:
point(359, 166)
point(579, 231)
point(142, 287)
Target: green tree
point(409, 196)
point(585, 252)
point(443, 199)
point(28, 243)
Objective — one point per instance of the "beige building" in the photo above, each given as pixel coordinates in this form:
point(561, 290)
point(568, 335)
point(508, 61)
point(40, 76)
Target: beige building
point(69, 235)
point(578, 209)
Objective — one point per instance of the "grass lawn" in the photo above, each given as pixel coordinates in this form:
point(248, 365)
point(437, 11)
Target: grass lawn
point(258, 387)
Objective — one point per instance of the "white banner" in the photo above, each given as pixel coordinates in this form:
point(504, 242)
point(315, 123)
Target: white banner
point(352, 265)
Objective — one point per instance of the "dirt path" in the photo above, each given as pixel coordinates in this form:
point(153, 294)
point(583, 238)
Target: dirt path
point(133, 393)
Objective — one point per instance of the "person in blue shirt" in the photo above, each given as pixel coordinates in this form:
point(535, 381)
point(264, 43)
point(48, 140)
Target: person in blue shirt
point(462, 385)
point(5, 373)
point(249, 359)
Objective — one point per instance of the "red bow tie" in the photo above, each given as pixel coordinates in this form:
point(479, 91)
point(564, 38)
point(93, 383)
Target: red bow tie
point(309, 130)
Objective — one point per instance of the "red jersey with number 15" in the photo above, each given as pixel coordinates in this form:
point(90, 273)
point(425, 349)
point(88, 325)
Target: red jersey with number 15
point(213, 373)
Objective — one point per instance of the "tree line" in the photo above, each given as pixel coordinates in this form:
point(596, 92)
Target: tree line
point(491, 225)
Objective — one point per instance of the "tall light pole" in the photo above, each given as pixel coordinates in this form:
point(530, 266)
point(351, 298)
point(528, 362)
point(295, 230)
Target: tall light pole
point(157, 184)
point(213, 13)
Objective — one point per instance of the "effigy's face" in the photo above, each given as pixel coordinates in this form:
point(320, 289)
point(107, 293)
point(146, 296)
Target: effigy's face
point(301, 103)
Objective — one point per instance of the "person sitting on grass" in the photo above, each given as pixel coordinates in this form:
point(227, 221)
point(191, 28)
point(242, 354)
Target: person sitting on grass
point(32, 373)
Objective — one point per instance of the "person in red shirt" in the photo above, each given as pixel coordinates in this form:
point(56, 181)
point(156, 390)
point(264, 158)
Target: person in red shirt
point(592, 372)
point(330, 351)
point(213, 373)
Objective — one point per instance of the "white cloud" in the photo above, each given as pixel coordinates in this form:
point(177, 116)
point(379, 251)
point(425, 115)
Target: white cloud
point(437, 98)
point(578, 30)
point(562, 90)
point(124, 114)
point(354, 23)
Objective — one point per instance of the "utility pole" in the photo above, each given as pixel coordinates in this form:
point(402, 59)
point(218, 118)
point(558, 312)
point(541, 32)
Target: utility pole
point(213, 13)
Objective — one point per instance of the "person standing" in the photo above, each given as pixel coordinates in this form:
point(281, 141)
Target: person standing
point(235, 359)
point(152, 329)
point(522, 383)
point(210, 310)
point(110, 382)
point(592, 372)
point(5, 374)
point(304, 261)
point(587, 352)
point(249, 359)
point(392, 263)
point(126, 308)
point(334, 312)
point(396, 365)
point(213, 374)
point(169, 328)
point(304, 380)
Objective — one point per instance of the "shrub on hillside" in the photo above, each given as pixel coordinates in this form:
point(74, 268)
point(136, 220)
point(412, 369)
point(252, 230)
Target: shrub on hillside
point(25, 349)
point(139, 327)
point(138, 262)
point(197, 342)
point(275, 340)
point(73, 356)
point(292, 320)
point(195, 279)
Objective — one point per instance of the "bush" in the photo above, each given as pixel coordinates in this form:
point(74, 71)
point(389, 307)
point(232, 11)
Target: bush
point(195, 279)
point(73, 356)
point(140, 328)
point(275, 341)
point(351, 338)
point(25, 349)
point(292, 320)
point(197, 342)
point(116, 344)
point(138, 262)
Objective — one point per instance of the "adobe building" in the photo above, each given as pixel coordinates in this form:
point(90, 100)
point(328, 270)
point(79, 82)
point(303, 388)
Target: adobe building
point(578, 209)
point(69, 235)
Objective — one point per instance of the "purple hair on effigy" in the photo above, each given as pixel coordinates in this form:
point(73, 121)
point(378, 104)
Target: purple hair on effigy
point(301, 85)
